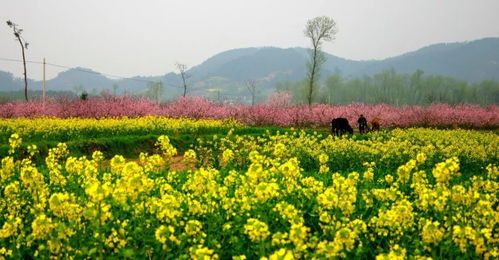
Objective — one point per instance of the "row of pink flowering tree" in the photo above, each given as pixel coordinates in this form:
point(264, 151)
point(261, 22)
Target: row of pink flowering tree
point(276, 112)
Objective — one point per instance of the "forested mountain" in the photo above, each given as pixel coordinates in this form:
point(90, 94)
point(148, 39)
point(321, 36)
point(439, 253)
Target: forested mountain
point(227, 72)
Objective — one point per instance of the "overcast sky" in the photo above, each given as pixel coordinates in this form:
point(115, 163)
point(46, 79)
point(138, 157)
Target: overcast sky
point(147, 37)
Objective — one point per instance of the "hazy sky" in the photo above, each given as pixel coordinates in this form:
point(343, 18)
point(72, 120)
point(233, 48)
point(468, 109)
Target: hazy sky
point(147, 37)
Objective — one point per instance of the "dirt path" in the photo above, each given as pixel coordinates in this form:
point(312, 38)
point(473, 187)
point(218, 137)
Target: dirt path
point(177, 163)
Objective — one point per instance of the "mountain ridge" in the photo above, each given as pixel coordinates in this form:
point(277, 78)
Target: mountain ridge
point(472, 61)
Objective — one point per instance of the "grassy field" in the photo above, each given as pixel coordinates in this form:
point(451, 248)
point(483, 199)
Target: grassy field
point(219, 189)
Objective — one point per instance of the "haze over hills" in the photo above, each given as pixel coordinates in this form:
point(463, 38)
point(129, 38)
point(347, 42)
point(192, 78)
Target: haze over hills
point(226, 72)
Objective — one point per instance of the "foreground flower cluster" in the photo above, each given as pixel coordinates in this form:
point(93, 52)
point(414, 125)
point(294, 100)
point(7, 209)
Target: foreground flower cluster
point(400, 194)
point(276, 113)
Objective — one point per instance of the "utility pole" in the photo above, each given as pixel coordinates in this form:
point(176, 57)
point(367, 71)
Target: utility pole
point(43, 84)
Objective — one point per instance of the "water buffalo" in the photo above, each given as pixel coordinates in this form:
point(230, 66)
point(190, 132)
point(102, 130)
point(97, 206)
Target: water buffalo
point(340, 125)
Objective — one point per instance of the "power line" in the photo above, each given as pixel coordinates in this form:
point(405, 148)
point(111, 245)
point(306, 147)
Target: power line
point(78, 69)
point(104, 74)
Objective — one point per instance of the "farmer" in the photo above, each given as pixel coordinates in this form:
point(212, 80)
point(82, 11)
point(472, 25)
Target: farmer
point(362, 121)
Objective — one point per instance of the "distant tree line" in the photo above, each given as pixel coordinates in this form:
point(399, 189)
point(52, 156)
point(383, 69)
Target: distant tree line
point(393, 88)
point(11, 96)
point(386, 87)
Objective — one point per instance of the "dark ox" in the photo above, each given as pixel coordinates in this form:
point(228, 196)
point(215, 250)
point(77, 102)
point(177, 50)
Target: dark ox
point(340, 125)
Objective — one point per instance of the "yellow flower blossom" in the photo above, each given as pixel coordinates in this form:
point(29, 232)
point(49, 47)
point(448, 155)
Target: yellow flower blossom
point(256, 230)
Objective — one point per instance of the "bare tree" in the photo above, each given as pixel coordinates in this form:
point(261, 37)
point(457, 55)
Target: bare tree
point(182, 68)
point(24, 44)
point(319, 29)
point(251, 85)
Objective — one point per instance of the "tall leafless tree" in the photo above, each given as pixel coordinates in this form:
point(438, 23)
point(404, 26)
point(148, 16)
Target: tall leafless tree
point(251, 85)
point(24, 45)
point(319, 29)
point(182, 68)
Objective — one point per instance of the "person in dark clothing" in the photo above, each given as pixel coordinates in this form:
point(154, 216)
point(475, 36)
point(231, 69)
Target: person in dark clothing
point(362, 121)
